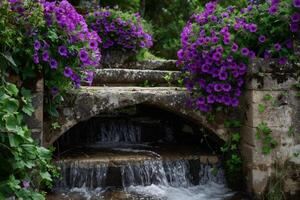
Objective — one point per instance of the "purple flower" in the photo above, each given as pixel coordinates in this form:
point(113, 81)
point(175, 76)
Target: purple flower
point(226, 100)
point(45, 56)
point(289, 43)
point(210, 99)
point(68, 72)
point(217, 87)
point(294, 27)
point(295, 17)
point(277, 47)
point(53, 64)
point(282, 60)
point(296, 3)
point(223, 75)
point(93, 44)
point(54, 91)
point(26, 184)
point(226, 87)
point(217, 56)
point(84, 56)
point(37, 45)
point(36, 59)
point(62, 50)
point(262, 39)
point(245, 51)
point(234, 102)
point(253, 28)
point(273, 10)
point(234, 47)
point(200, 101)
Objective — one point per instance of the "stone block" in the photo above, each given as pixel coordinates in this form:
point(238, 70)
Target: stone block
point(267, 82)
point(277, 113)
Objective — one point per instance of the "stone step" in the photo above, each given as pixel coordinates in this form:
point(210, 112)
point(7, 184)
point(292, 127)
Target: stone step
point(120, 157)
point(169, 65)
point(134, 77)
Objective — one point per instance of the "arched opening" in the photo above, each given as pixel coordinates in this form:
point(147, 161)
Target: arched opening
point(138, 151)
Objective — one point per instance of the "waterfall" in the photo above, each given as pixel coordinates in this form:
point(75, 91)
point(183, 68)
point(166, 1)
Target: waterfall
point(120, 132)
point(81, 174)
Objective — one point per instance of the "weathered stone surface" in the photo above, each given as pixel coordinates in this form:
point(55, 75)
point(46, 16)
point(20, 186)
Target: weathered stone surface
point(277, 113)
point(149, 64)
point(35, 122)
point(132, 76)
point(91, 101)
point(268, 83)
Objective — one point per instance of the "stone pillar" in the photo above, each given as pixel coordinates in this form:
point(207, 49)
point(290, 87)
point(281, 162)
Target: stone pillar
point(281, 114)
point(35, 122)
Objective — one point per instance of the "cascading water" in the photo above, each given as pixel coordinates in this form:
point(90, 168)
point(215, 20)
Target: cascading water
point(116, 160)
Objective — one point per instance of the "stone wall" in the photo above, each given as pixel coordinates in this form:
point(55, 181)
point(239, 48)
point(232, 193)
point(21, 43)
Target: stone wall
point(282, 115)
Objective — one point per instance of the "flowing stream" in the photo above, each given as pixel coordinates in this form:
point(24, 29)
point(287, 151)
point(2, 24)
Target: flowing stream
point(117, 164)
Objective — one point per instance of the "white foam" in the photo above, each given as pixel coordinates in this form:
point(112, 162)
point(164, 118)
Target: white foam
point(209, 191)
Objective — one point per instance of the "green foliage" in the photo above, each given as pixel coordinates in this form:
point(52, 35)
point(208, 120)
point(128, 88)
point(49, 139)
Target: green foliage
point(264, 133)
point(22, 159)
point(147, 83)
point(230, 150)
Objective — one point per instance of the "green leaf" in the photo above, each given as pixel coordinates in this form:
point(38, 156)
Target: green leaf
point(236, 137)
point(9, 58)
point(46, 176)
point(10, 105)
point(267, 97)
point(261, 108)
point(11, 123)
point(28, 109)
point(12, 89)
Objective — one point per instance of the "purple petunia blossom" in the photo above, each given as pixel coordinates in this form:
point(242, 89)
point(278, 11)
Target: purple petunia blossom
point(253, 28)
point(200, 101)
point(273, 10)
point(226, 100)
point(226, 87)
point(54, 91)
point(84, 56)
point(282, 60)
point(36, 59)
point(234, 102)
point(45, 56)
point(68, 72)
point(37, 45)
point(62, 50)
point(245, 51)
point(294, 27)
point(223, 75)
point(262, 39)
point(53, 64)
point(296, 3)
point(295, 17)
point(277, 47)
point(217, 87)
point(234, 47)
point(211, 99)
point(217, 56)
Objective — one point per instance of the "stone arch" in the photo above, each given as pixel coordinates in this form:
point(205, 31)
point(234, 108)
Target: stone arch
point(90, 102)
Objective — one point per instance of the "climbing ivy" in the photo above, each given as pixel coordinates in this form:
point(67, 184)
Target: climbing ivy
point(24, 164)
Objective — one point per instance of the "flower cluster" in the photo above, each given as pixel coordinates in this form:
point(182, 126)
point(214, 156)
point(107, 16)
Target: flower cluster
point(218, 44)
point(119, 30)
point(67, 46)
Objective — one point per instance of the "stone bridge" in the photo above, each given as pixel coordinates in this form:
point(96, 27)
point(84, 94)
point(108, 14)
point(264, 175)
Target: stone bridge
point(144, 83)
